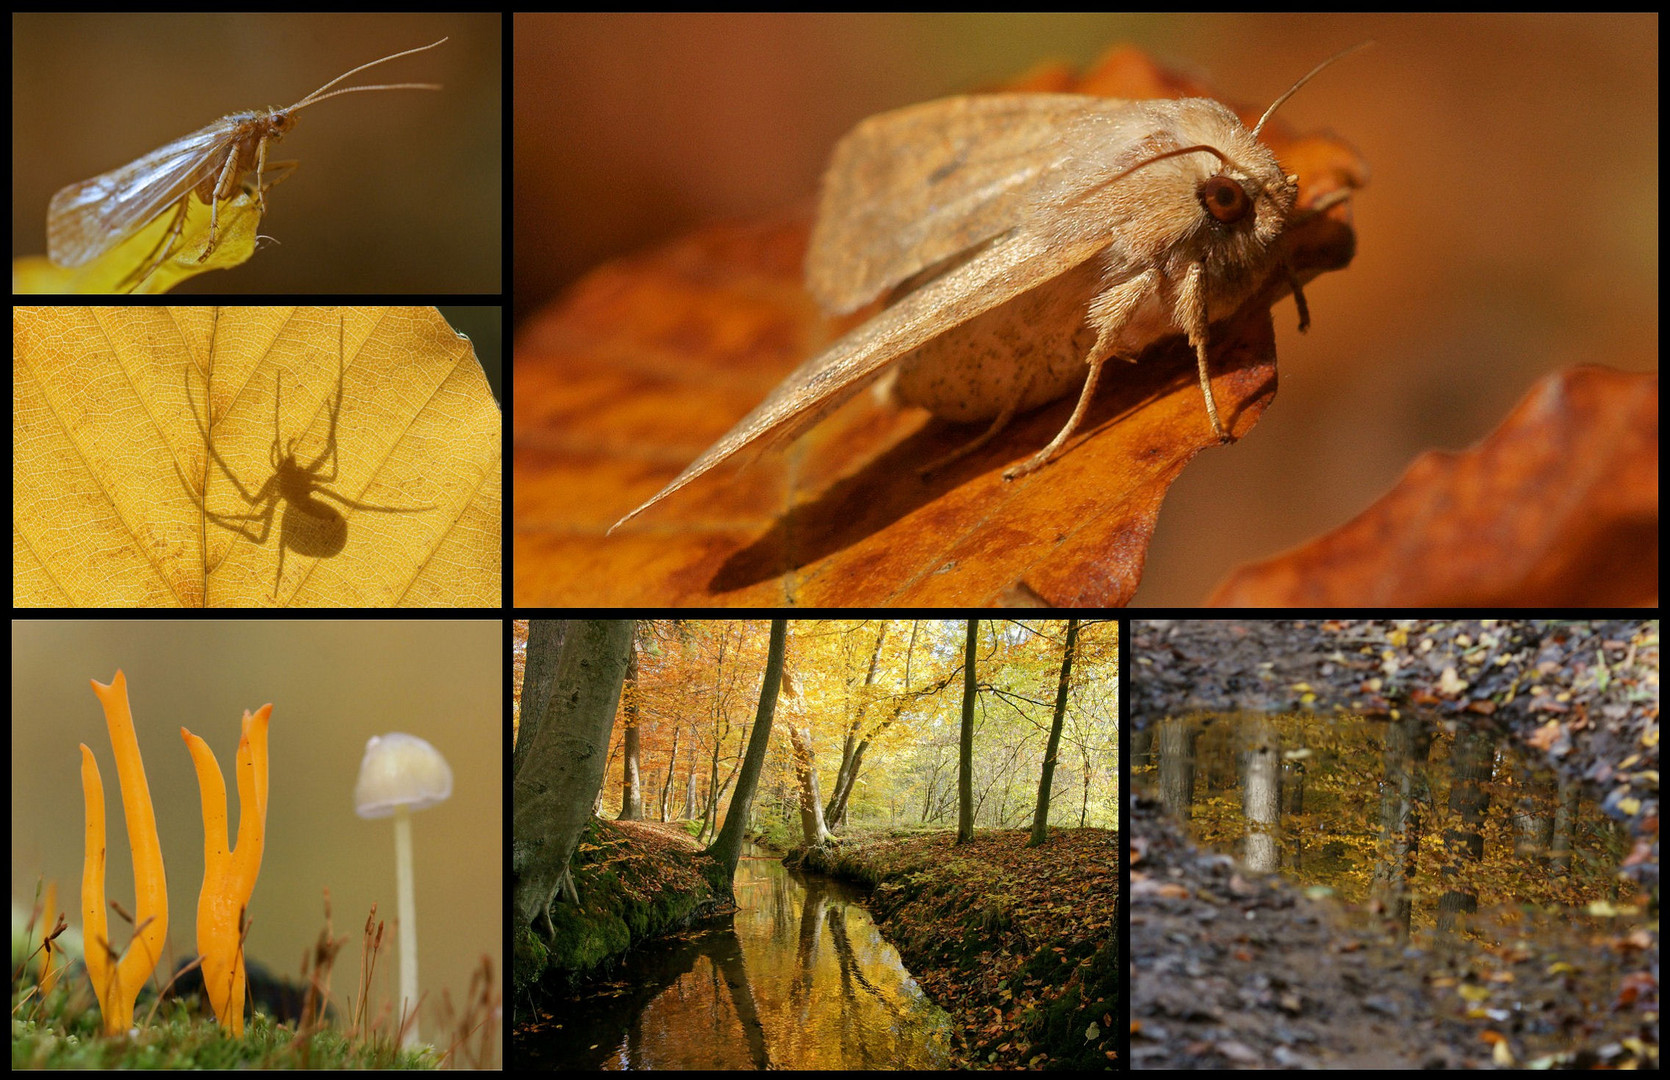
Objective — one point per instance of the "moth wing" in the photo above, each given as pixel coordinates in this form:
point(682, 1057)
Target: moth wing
point(87, 219)
point(908, 189)
point(1003, 270)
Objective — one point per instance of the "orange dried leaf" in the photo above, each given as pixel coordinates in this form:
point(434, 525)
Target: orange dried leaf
point(1557, 506)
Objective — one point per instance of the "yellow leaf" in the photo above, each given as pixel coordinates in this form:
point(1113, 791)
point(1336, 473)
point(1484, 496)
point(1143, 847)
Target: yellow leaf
point(150, 261)
point(1601, 909)
point(1473, 993)
point(1560, 968)
point(147, 446)
point(1502, 1055)
point(1629, 806)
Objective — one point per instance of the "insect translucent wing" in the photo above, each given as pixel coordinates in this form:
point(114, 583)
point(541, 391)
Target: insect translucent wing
point(1002, 271)
point(910, 188)
point(86, 220)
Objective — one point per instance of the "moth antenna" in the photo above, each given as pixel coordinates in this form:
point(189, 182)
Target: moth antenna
point(1201, 148)
point(1294, 89)
point(314, 97)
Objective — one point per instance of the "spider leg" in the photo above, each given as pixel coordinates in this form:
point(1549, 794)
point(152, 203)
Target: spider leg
point(345, 501)
point(253, 500)
point(329, 449)
point(229, 521)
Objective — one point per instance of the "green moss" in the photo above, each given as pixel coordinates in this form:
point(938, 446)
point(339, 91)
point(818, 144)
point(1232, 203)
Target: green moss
point(586, 938)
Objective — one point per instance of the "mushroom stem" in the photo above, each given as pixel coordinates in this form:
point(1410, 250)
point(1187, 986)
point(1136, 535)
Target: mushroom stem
point(408, 925)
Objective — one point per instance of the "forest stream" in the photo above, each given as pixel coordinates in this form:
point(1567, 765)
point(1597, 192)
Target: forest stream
point(799, 978)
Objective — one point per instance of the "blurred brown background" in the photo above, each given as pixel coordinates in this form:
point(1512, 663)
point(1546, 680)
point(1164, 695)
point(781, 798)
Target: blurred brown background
point(1510, 228)
point(397, 191)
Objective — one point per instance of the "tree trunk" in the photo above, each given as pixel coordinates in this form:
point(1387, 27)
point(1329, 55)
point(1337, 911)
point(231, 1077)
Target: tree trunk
point(690, 791)
point(545, 638)
point(1041, 816)
point(727, 849)
point(965, 754)
point(806, 769)
point(852, 751)
point(1472, 758)
point(631, 790)
point(672, 763)
point(564, 768)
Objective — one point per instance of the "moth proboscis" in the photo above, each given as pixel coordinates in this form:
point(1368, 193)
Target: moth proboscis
point(1021, 241)
point(87, 219)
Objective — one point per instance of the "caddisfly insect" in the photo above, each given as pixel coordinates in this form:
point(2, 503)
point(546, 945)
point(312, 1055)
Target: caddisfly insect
point(87, 219)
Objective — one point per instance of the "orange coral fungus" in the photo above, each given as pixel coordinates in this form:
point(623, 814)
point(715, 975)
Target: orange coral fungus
point(229, 875)
point(117, 981)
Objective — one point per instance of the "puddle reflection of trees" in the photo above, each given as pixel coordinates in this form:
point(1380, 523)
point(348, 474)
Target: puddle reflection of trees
point(1421, 821)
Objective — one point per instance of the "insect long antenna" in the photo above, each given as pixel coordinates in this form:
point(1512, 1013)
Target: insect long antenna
point(352, 89)
point(1294, 89)
point(315, 96)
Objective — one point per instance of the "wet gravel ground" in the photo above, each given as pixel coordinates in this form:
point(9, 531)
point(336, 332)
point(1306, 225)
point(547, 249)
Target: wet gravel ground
point(1244, 972)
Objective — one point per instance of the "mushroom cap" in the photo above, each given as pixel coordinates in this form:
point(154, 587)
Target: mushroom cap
point(400, 770)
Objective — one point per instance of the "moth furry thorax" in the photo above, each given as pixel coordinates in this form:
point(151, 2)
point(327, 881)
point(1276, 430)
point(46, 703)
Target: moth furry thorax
point(1019, 241)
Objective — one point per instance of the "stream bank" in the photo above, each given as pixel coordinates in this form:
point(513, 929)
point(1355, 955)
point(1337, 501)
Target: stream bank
point(796, 976)
point(1018, 944)
point(637, 881)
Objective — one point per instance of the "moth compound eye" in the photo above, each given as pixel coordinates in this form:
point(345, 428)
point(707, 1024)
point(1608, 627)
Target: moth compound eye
point(1224, 199)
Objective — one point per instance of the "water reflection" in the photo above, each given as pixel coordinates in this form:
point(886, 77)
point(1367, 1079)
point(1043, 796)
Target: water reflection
point(801, 979)
point(1420, 821)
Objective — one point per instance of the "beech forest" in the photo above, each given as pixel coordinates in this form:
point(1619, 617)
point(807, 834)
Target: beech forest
point(816, 843)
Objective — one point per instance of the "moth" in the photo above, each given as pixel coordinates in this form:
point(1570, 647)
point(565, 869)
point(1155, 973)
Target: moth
point(87, 219)
point(1020, 241)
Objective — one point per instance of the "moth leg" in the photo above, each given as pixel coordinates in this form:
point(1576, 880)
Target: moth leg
point(998, 424)
point(1298, 288)
point(221, 191)
point(1190, 314)
point(1042, 457)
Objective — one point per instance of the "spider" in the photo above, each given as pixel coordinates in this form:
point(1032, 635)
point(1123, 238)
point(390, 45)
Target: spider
point(310, 526)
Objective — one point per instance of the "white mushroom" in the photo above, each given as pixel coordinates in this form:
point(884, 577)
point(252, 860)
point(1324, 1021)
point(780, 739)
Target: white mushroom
point(401, 773)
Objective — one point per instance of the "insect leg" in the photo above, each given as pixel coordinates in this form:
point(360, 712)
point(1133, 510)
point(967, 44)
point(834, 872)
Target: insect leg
point(223, 188)
point(164, 248)
point(1038, 460)
point(1190, 314)
point(998, 423)
point(261, 167)
point(1298, 288)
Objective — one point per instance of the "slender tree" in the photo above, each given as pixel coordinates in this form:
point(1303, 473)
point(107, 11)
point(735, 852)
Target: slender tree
point(564, 768)
point(965, 756)
point(631, 789)
point(727, 848)
point(1041, 816)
